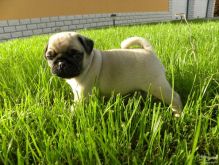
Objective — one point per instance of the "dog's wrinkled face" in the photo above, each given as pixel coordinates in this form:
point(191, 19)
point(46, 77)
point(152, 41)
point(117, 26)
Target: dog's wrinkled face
point(67, 54)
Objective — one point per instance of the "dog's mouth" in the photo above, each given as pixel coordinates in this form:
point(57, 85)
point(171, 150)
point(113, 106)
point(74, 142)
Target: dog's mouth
point(65, 69)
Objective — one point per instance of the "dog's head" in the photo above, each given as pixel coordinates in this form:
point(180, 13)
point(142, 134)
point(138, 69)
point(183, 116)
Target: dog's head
point(68, 53)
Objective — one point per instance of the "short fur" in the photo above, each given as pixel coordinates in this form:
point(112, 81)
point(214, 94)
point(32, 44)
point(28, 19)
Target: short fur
point(117, 70)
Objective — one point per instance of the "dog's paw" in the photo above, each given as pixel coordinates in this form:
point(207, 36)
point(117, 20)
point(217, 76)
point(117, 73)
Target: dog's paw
point(176, 113)
point(72, 109)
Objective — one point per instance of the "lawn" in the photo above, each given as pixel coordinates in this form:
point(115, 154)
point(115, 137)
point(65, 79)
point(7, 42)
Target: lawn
point(37, 126)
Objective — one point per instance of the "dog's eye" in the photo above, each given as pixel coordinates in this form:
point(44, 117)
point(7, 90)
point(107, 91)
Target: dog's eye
point(50, 55)
point(74, 51)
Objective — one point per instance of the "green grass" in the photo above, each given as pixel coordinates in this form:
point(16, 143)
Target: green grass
point(36, 125)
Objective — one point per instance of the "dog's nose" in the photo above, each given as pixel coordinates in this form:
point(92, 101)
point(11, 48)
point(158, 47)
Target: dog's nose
point(61, 65)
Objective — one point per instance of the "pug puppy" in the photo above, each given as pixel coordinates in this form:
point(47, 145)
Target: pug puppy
point(71, 56)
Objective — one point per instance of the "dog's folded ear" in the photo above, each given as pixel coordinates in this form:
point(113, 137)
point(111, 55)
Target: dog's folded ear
point(87, 43)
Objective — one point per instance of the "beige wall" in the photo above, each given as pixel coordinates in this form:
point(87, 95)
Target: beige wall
point(20, 9)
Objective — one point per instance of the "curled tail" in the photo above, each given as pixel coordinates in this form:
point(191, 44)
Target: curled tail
point(136, 41)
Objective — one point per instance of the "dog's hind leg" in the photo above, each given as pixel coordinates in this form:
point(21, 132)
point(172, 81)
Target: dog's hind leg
point(162, 90)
